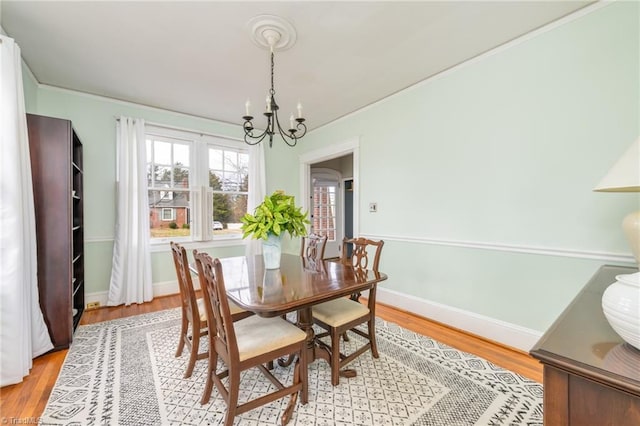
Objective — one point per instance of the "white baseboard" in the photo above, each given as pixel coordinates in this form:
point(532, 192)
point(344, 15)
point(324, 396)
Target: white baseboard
point(168, 287)
point(502, 332)
point(499, 331)
point(159, 289)
point(100, 297)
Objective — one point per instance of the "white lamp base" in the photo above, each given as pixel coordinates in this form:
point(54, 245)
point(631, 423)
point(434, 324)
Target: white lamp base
point(621, 307)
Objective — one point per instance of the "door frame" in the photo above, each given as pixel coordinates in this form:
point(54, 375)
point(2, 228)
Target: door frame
point(350, 146)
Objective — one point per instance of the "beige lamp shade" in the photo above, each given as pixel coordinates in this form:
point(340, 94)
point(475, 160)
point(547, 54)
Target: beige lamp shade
point(624, 176)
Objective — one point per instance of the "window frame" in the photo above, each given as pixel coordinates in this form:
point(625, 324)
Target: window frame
point(200, 212)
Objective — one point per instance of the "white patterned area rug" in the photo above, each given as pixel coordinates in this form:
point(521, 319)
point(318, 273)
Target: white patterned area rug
point(124, 372)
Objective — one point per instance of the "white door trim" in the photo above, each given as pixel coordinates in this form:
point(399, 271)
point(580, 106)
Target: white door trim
point(350, 146)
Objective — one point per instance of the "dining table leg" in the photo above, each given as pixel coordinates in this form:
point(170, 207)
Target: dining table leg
point(314, 351)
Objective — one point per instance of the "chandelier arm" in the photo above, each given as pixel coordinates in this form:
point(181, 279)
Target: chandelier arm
point(301, 126)
point(254, 140)
point(289, 139)
point(249, 138)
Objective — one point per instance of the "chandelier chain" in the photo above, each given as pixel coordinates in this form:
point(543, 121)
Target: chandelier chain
point(272, 91)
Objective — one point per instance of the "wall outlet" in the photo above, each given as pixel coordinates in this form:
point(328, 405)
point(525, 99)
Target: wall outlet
point(93, 305)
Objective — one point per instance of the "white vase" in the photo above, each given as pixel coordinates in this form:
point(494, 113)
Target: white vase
point(271, 251)
point(621, 307)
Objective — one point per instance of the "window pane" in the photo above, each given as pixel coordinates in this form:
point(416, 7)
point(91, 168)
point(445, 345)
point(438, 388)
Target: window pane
point(231, 181)
point(180, 177)
point(230, 160)
point(169, 214)
point(181, 154)
point(324, 220)
point(243, 160)
point(162, 176)
point(215, 180)
point(227, 210)
point(162, 152)
point(215, 159)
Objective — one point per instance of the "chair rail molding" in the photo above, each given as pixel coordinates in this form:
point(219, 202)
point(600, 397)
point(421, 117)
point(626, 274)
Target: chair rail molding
point(513, 248)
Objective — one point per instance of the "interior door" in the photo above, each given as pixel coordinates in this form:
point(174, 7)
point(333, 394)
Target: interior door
point(327, 209)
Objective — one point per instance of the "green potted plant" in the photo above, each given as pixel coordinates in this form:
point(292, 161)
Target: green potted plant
point(276, 215)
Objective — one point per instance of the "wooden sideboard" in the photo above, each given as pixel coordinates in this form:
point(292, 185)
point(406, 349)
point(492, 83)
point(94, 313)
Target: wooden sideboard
point(591, 376)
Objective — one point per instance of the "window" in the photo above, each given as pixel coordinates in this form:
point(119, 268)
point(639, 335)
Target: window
point(197, 185)
point(168, 214)
point(324, 211)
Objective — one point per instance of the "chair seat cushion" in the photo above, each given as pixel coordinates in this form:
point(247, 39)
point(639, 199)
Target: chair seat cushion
point(257, 335)
point(337, 312)
point(203, 312)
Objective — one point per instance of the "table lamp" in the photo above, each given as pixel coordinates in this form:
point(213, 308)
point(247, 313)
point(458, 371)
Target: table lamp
point(621, 300)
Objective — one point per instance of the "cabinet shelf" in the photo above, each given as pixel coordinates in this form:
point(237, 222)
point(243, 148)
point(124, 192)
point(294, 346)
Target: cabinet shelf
point(77, 287)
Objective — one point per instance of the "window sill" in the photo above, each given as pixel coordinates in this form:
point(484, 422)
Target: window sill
point(163, 245)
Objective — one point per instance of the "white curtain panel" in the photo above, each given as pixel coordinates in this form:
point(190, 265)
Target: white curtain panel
point(257, 191)
point(23, 332)
point(131, 269)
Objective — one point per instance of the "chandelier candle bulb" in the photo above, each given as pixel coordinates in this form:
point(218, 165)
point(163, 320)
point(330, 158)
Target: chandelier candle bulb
point(299, 110)
point(247, 105)
point(291, 122)
point(268, 104)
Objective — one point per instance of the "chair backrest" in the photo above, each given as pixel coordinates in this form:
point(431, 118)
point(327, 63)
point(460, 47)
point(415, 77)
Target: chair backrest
point(365, 253)
point(221, 332)
point(313, 246)
point(187, 293)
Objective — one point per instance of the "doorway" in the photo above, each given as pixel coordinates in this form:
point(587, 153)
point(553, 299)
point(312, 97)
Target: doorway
point(329, 192)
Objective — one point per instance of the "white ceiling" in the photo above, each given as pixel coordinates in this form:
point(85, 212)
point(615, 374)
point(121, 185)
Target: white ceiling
point(198, 57)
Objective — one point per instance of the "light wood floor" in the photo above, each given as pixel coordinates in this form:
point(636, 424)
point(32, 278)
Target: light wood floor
point(29, 398)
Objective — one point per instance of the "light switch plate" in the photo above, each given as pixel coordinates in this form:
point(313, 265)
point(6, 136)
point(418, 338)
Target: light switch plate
point(373, 207)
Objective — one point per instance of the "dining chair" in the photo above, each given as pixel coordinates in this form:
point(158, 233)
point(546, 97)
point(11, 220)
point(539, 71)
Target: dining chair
point(312, 247)
point(194, 318)
point(312, 253)
point(338, 316)
point(244, 344)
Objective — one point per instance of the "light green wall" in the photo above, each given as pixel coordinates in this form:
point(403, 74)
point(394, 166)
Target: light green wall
point(503, 150)
point(93, 119)
point(30, 90)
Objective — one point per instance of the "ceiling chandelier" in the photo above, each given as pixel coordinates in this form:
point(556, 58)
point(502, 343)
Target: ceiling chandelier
point(273, 33)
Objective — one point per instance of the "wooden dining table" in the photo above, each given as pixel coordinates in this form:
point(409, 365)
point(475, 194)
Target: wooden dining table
point(295, 287)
